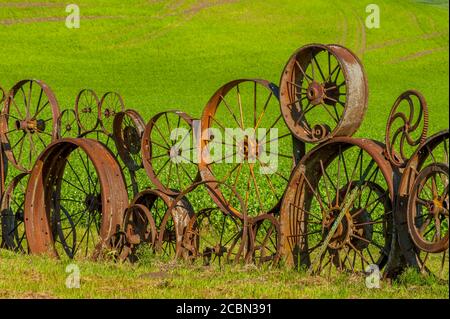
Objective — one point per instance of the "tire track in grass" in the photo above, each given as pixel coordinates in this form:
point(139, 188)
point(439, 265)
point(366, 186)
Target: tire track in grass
point(416, 55)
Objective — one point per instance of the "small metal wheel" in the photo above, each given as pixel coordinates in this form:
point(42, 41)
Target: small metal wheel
point(407, 127)
point(110, 104)
point(168, 152)
point(28, 122)
point(135, 180)
point(265, 239)
point(245, 143)
point(12, 217)
point(87, 109)
point(323, 92)
point(215, 235)
point(428, 218)
point(177, 215)
point(337, 214)
point(128, 129)
point(68, 124)
point(75, 199)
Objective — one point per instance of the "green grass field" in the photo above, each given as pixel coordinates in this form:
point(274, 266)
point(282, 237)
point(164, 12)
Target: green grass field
point(174, 54)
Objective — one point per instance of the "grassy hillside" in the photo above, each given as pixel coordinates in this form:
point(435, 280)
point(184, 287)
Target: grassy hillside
point(174, 54)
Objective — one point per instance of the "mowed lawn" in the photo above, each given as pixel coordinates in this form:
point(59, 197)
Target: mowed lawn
point(174, 54)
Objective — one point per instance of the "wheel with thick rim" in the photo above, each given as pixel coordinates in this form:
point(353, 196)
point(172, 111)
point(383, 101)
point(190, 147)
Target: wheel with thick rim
point(323, 92)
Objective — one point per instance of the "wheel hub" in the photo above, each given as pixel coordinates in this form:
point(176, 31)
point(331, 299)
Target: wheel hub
point(343, 230)
point(315, 93)
point(30, 126)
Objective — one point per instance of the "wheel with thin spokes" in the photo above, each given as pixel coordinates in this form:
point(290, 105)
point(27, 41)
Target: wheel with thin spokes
point(428, 219)
point(12, 217)
point(28, 122)
point(338, 214)
point(68, 124)
point(245, 143)
point(87, 109)
point(323, 92)
point(168, 151)
point(111, 103)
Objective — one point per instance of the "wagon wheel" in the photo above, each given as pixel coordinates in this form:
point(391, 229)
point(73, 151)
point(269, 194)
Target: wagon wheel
point(110, 104)
point(128, 129)
point(28, 122)
point(337, 214)
point(134, 180)
point(215, 234)
point(323, 92)
point(68, 124)
point(428, 218)
point(12, 218)
point(168, 151)
point(69, 192)
point(265, 240)
point(177, 214)
point(407, 127)
point(249, 161)
point(87, 109)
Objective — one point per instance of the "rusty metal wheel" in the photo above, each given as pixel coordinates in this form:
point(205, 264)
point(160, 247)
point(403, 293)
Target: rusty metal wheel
point(73, 206)
point(68, 124)
point(434, 152)
point(28, 122)
point(337, 213)
point(177, 214)
point(407, 127)
point(168, 151)
point(265, 240)
point(215, 235)
point(128, 129)
point(110, 104)
point(323, 92)
point(428, 209)
point(87, 109)
point(245, 143)
point(12, 217)
point(135, 180)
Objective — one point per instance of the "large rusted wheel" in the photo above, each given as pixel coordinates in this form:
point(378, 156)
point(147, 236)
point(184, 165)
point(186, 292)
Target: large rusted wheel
point(87, 109)
point(110, 104)
point(337, 213)
point(12, 216)
point(75, 200)
point(28, 122)
point(265, 240)
point(323, 92)
point(215, 235)
point(68, 124)
point(168, 151)
point(128, 129)
point(245, 143)
point(407, 127)
point(135, 180)
point(422, 221)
